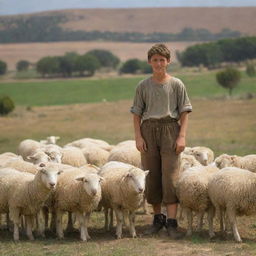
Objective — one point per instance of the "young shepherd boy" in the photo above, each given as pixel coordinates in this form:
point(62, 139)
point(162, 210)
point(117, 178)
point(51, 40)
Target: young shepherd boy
point(160, 116)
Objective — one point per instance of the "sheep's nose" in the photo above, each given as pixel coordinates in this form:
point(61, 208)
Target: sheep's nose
point(140, 190)
point(52, 184)
point(94, 192)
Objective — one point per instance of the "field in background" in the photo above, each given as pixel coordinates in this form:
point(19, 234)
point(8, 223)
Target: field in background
point(32, 52)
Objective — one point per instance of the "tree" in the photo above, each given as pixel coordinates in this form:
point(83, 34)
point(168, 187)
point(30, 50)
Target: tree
point(6, 105)
point(67, 63)
point(48, 66)
point(3, 67)
point(105, 58)
point(22, 65)
point(131, 66)
point(228, 78)
point(250, 69)
point(86, 63)
point(145, 67)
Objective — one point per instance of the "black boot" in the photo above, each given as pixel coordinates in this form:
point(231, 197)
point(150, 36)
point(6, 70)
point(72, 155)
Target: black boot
point(172, 229)
point(158, 223)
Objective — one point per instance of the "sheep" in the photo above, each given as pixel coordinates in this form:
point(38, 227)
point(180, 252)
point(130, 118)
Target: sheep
point(123, 188)
point(78, 191)
point(53, 151)
point(25, 193)
point(126, 152)
point(232, 191)
point(202, 154)
point(39, 157)
point(73, 156)
point(7, 156)
point(187, 161)
point(27, 148)
point(247, 162)
point(50, 140)
point(192, 191)
point(95, 155)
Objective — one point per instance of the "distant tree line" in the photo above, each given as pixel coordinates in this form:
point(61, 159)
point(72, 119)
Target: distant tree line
point(214, 53)
point(47, 29)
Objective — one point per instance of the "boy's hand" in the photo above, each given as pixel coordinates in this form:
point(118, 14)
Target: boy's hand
point(141, 144)
point(180, 144)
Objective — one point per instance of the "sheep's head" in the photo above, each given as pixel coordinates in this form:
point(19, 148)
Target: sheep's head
point(49, 175)
point(52, 139)
point(224, 160)
point(188, 161)
point(91, 183)
point(136, 179)
point(55, 156)
point(39, 157)
point(200, 155)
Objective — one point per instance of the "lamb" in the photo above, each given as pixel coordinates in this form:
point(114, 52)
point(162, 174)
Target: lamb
point(123, 188)
point(187, 161)
point(73, 156)
point(7, 156)
point(50, 140)
point(192, 191)
point(202, 154)
point(247, 162)
point(27, 148)
point(232, 191)
point(25, 193)
point(126, 152)
point(78, 191)
point(39, 157)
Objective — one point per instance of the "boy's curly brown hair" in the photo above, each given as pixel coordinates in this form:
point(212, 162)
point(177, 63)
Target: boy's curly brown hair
point(160, 49)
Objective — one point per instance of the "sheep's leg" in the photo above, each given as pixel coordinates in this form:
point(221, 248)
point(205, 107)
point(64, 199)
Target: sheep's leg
point(59, 227)
point(45, 212)
point(190, 221)
point(87, 218)
point(132, 224)
point(70, 222)
point(53, 221)
point(119, 220)
point(81, 220)
point(232, 219)
point(15, 217)
point(211, 213)
point(181, 210)
point(29, 224)
point(41, 223)
point(125, 217)
point(200, 217)
point(111, 214)
point(106, 218)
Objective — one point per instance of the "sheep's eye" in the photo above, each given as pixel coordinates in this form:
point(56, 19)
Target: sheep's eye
point(58, 173)
point(85, 180)
point(43, 171)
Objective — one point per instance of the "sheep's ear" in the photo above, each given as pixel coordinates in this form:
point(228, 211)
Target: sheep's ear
point(101, 179)
point(31, 157)
point(128, 175)
point(60, 172)
point(80, 178)
point(42, 165)
point(146, 172)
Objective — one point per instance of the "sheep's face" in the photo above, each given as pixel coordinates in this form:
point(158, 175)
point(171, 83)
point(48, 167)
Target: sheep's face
point(55, 156)
point(188, 161)
point(91, 183)
point(136, 179)
point(201, 156)
point(223, 161)
point(39, 157)
point(49, 175)
point(52, 139)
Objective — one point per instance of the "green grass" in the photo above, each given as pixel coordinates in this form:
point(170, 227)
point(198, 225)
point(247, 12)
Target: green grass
point(70, 91)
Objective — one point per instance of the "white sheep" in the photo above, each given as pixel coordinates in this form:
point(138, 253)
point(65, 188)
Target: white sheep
point(79, 192)
point(126, 152)
point(202, 154)
point(50, 140)
point(192, 191)
point(24, 194)
point(232, 191)
point(247, 162)
point(187, 161)
point(39, 157)
point(81, 143)
point(73, 156)
point(7, 156)
point(27, 148)
point(123, 188)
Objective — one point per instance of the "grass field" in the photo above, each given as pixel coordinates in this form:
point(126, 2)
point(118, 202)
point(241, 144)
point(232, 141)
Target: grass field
point(225, 125)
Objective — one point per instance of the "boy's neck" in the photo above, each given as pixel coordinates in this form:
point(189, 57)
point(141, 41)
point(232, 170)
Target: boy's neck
point(162, 77)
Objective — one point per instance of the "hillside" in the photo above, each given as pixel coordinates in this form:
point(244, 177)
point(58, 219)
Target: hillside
point(150, 20)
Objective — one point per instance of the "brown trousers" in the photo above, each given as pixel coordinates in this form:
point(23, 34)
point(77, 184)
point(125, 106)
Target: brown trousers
point(160, 159)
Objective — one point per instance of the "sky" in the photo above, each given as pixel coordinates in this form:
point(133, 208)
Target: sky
point(8, 7)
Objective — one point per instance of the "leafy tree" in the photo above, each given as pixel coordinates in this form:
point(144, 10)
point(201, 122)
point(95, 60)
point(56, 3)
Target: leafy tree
point(67, 63)
point(48, 66)
point(131, 66)
point(22, 65)
point(145, 67)
point(106, 58)
point(228, 78)
point(250, 69)
point(87, 64)
point(6, 105)
point(3, 67)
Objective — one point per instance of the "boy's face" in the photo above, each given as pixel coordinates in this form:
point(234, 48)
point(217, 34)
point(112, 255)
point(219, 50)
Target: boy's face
point(159, 63)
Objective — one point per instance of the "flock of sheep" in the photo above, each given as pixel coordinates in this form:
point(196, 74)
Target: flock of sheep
point(44, 180)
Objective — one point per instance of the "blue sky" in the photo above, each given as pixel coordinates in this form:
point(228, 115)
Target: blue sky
point(30, 6)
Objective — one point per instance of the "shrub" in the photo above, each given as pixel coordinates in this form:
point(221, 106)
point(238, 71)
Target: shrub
point(6, 105)
point(3, 67)
point(22, 65)
point(228, 78)
point(131, 66)
point(250, 69)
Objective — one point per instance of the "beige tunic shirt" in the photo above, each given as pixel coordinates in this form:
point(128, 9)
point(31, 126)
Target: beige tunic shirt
point(154, 100)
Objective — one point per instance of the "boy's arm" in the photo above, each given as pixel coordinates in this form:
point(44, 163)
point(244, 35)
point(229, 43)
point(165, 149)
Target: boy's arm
point(181, 140)
point(140, 143)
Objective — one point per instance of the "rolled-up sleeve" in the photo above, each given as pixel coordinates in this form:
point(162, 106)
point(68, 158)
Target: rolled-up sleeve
point(184, 104)
point(138, 102)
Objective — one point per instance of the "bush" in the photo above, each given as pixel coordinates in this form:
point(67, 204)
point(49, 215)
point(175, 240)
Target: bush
point(22, 65)
point(131, 66)
point(48, 65)
point(228, 78)
point(6, 105)
point(86, 64)
point(3, 67)
point(250, 69)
